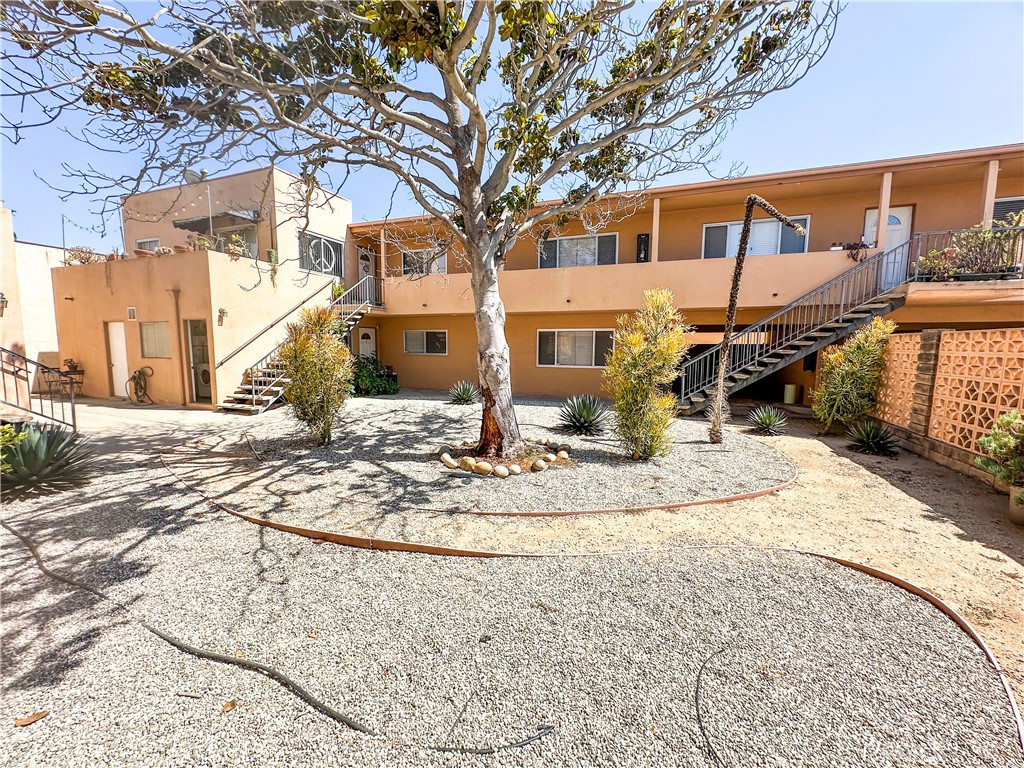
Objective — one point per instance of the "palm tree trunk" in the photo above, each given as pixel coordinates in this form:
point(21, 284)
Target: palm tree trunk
point(718, 404)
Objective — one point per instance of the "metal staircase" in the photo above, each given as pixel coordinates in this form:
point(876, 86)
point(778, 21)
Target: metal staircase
point(265, 381)
point(820, 317)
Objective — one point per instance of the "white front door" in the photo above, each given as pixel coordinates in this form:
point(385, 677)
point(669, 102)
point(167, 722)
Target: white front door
point(118, 358)
point(898, 230)
point(368, 342)
point(365, 263)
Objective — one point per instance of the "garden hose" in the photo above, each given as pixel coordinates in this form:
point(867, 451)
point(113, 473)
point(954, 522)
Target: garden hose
point(137, 386)
point(255, 666)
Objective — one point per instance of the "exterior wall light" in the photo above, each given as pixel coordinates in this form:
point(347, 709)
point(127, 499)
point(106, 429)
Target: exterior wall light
point(3, 304)
point(221, 314)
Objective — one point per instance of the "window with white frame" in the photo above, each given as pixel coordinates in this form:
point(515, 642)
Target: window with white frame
point(428, 261)
point(322, 254)
point(426, 342)
point(1005, 206)
point(579, 251)
point(156, 339)
point(767, 236)
point(149, 244)
point(575, 348)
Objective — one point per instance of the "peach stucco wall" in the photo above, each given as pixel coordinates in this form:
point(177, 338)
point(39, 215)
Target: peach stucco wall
point(769, 281)
point(89, 296)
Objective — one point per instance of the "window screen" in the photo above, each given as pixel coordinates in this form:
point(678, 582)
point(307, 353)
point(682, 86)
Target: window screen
point(583, 251)
point(572, 348)
point(150, 244)
point(321, 254)
point(424, 263)
point(426, 342)
point(156, 339)
point(1004, 208)
point(767, 237)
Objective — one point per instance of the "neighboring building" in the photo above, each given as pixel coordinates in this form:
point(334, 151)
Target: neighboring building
point(199, 318)
point(562, 295)
point(29, 326)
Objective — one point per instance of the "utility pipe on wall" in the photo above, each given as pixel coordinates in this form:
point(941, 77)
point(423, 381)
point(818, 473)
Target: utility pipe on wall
point(176, 294)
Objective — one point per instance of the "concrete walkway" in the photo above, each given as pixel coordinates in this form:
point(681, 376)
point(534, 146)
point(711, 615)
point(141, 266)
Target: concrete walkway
point(117, 426)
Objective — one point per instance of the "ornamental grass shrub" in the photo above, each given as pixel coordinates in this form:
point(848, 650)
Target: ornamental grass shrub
point(649, 346)
point(320, 368)
point(851, 375)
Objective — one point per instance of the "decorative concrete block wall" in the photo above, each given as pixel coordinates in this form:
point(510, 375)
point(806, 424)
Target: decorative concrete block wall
point(980, 375)
point(896, 397)
point(943, 389)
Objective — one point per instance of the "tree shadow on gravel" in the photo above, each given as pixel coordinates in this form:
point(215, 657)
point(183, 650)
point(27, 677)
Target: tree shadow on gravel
point(92, 534)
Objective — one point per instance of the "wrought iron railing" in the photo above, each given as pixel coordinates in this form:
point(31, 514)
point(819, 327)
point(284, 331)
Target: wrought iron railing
point(263, 376)
point(996, 255)
point(32, 387)
point(968, 254)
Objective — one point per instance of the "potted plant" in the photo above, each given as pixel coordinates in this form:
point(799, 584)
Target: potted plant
point(1004, 459)
point(71, 364)
point(937, 266)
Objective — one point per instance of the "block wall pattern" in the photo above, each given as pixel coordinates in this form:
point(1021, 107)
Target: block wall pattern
point(897, 394)
point(979, 375)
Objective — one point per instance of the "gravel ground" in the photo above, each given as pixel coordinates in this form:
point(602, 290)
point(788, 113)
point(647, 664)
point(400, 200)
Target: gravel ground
point(804, 663)
point(381, 477)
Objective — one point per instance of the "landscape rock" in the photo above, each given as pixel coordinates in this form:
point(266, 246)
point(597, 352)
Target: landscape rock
point(515, 469)
point(482, 468)
point(448, 461)
point(539, 465)
point(467, 463)
point(550, 458)
point(501, 471)
point(563, 454)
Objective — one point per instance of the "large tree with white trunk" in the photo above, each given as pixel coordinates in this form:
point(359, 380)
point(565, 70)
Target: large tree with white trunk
point(477, 108)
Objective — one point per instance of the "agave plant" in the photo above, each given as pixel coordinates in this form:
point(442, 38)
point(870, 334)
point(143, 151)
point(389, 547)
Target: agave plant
point(767, 420)
point(872, 436)
point(45, 459)
point(464, 393)
point(582, 415)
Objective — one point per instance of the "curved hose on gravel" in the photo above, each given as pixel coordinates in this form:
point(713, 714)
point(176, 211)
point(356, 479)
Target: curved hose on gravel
point(255, 666)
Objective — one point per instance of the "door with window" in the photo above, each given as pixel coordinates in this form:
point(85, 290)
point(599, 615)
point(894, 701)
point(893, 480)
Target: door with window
point(117, 349)
point(897, 232)
point(368, 342)
point(199, 360)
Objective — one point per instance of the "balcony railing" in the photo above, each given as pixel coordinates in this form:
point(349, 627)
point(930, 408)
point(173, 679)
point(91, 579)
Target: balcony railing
point(38, 389)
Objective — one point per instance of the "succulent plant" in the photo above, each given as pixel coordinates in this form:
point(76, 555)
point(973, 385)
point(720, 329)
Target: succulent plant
point(872, 436)
point(582, 415)
point(767, 420)
point(464, 393)
point(45, 459)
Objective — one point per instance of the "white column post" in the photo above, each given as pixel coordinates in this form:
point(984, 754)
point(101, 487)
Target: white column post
point(884, 196)
point(989, 201)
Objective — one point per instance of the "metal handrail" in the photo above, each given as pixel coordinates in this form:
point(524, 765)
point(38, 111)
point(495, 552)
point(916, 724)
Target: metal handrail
point(271, 325)
point(831, 301)
point(367, 293)
point(18, 372)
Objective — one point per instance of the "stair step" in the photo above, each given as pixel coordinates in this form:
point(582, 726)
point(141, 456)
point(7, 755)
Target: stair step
point(240, 407)
point(857, 315)
point(802, 343)
point(820, 334)
point(740, 376)
point(266, 390)
point(246, 397)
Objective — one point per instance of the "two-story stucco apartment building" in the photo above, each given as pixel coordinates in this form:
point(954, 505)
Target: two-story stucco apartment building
point(562, 295)
point(207, 322)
